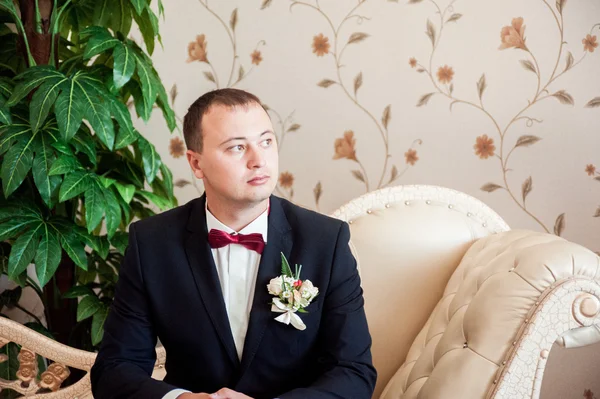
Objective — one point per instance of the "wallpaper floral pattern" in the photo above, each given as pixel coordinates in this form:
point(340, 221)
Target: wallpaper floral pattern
point(365, 94)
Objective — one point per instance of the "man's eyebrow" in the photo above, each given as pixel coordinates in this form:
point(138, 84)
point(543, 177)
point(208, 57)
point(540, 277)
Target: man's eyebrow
point(244, 138)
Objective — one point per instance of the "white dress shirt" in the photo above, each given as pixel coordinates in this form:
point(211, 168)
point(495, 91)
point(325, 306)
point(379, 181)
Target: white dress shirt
point(237, 267)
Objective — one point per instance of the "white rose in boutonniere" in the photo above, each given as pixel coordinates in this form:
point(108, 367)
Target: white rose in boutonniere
point(293, 295)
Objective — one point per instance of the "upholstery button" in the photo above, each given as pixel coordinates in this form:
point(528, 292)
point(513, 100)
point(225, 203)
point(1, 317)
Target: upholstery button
point(590, 307)
point(484, 225)
point(369, 211)
point(544, 354)
point(350, 221)
point(469, 214)
point(406, 202)
point(465, 345)
point(387, 205)
point(428, 202)
point(450, 206)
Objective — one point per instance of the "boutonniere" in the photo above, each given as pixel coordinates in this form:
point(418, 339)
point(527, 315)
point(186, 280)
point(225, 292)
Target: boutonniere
point(292, 295)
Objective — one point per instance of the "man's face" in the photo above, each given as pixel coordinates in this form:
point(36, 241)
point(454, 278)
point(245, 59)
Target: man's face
point(239, 162)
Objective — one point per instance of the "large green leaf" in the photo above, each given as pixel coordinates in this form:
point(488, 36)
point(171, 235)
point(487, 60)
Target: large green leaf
point(44, 159)
point(77, 291)
point(113, 213)
point(6, 87)
point(69, 109)
point(98, 324)
point(123, 117)
point(65, 164)
point(141, 109)
point(161, 202)
point(84, 142)
point(62, 147)
point(23, 250)
point(17, 163)
point(47, 257)
point(41, 102)
point(127, 212)
point(99, 40)
point(8, 134)
point(75, 235)
point(102, 12)
point(74, 184)
point(150, 158)
point(19, 209)
point(10, 56)
point(126, 191)
point(95, 205)
point(124, 65)
point(146, 26)
point(125, 138)
point(121, 16)
point(74, 248)
point(33, 77)
point(98, 114)
point(148, 82)
point(103, 246)
point(167, 179)
point(14, 226)
point(139, 6)
point(87, 307)
point(163, 104)
point(79, 15)
point(120, 241)
point(5, 117)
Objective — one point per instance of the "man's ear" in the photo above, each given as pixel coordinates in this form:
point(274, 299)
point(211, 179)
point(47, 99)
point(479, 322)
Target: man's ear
point(194, 161)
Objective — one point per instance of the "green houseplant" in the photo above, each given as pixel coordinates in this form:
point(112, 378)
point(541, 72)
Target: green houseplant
point(74, 170)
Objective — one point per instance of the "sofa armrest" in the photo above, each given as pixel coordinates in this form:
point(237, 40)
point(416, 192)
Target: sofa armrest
point(63, 356)
point(512, 296)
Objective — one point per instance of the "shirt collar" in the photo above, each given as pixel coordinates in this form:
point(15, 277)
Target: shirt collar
point(259, 225)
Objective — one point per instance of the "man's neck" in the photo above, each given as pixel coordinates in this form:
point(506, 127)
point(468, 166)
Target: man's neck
point(236, 217)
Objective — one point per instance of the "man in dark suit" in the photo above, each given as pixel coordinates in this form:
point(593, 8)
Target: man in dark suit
point(196, 277)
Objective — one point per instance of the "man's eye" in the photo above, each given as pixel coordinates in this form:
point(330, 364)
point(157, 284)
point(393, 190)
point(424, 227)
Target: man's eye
point(237, 148)
point(267, 142)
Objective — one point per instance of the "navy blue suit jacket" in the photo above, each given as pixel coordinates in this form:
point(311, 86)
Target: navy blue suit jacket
point(169, 288)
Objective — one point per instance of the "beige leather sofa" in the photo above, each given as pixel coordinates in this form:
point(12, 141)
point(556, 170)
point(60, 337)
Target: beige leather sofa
point(459, 305)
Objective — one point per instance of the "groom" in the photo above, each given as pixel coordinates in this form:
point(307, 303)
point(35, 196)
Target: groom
point(196, 277)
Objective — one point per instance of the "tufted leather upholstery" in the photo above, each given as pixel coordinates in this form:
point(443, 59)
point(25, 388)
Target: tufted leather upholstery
point(458, 305)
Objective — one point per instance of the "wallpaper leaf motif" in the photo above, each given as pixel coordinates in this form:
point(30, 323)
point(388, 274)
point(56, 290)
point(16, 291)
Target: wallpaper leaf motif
point(322, 45)
point(511, 36)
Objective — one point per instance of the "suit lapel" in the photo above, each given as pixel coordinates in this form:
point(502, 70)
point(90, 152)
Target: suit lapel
point(206, 278)
point(278, 241)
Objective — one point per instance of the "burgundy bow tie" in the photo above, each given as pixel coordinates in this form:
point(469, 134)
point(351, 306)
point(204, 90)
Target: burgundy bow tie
point(219, 238)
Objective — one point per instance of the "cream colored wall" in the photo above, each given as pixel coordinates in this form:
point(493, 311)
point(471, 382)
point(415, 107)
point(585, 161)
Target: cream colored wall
point(330, 69)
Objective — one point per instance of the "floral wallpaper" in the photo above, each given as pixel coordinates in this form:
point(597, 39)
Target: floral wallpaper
point(498, 99)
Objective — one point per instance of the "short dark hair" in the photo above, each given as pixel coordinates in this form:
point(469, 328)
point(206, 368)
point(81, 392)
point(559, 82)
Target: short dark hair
point(192, 122)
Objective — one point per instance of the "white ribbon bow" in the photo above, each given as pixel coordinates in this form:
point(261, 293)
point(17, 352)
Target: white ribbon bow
point(288, 316)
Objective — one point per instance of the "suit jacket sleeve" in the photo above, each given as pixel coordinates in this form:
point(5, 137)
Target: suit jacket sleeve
point(127, 355)
point(345, 342)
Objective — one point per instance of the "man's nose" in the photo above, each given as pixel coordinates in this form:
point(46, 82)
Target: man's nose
point(256, 159)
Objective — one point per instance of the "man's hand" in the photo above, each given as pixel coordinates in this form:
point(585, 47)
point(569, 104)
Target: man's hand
point(226, 393)
point(223, 393)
